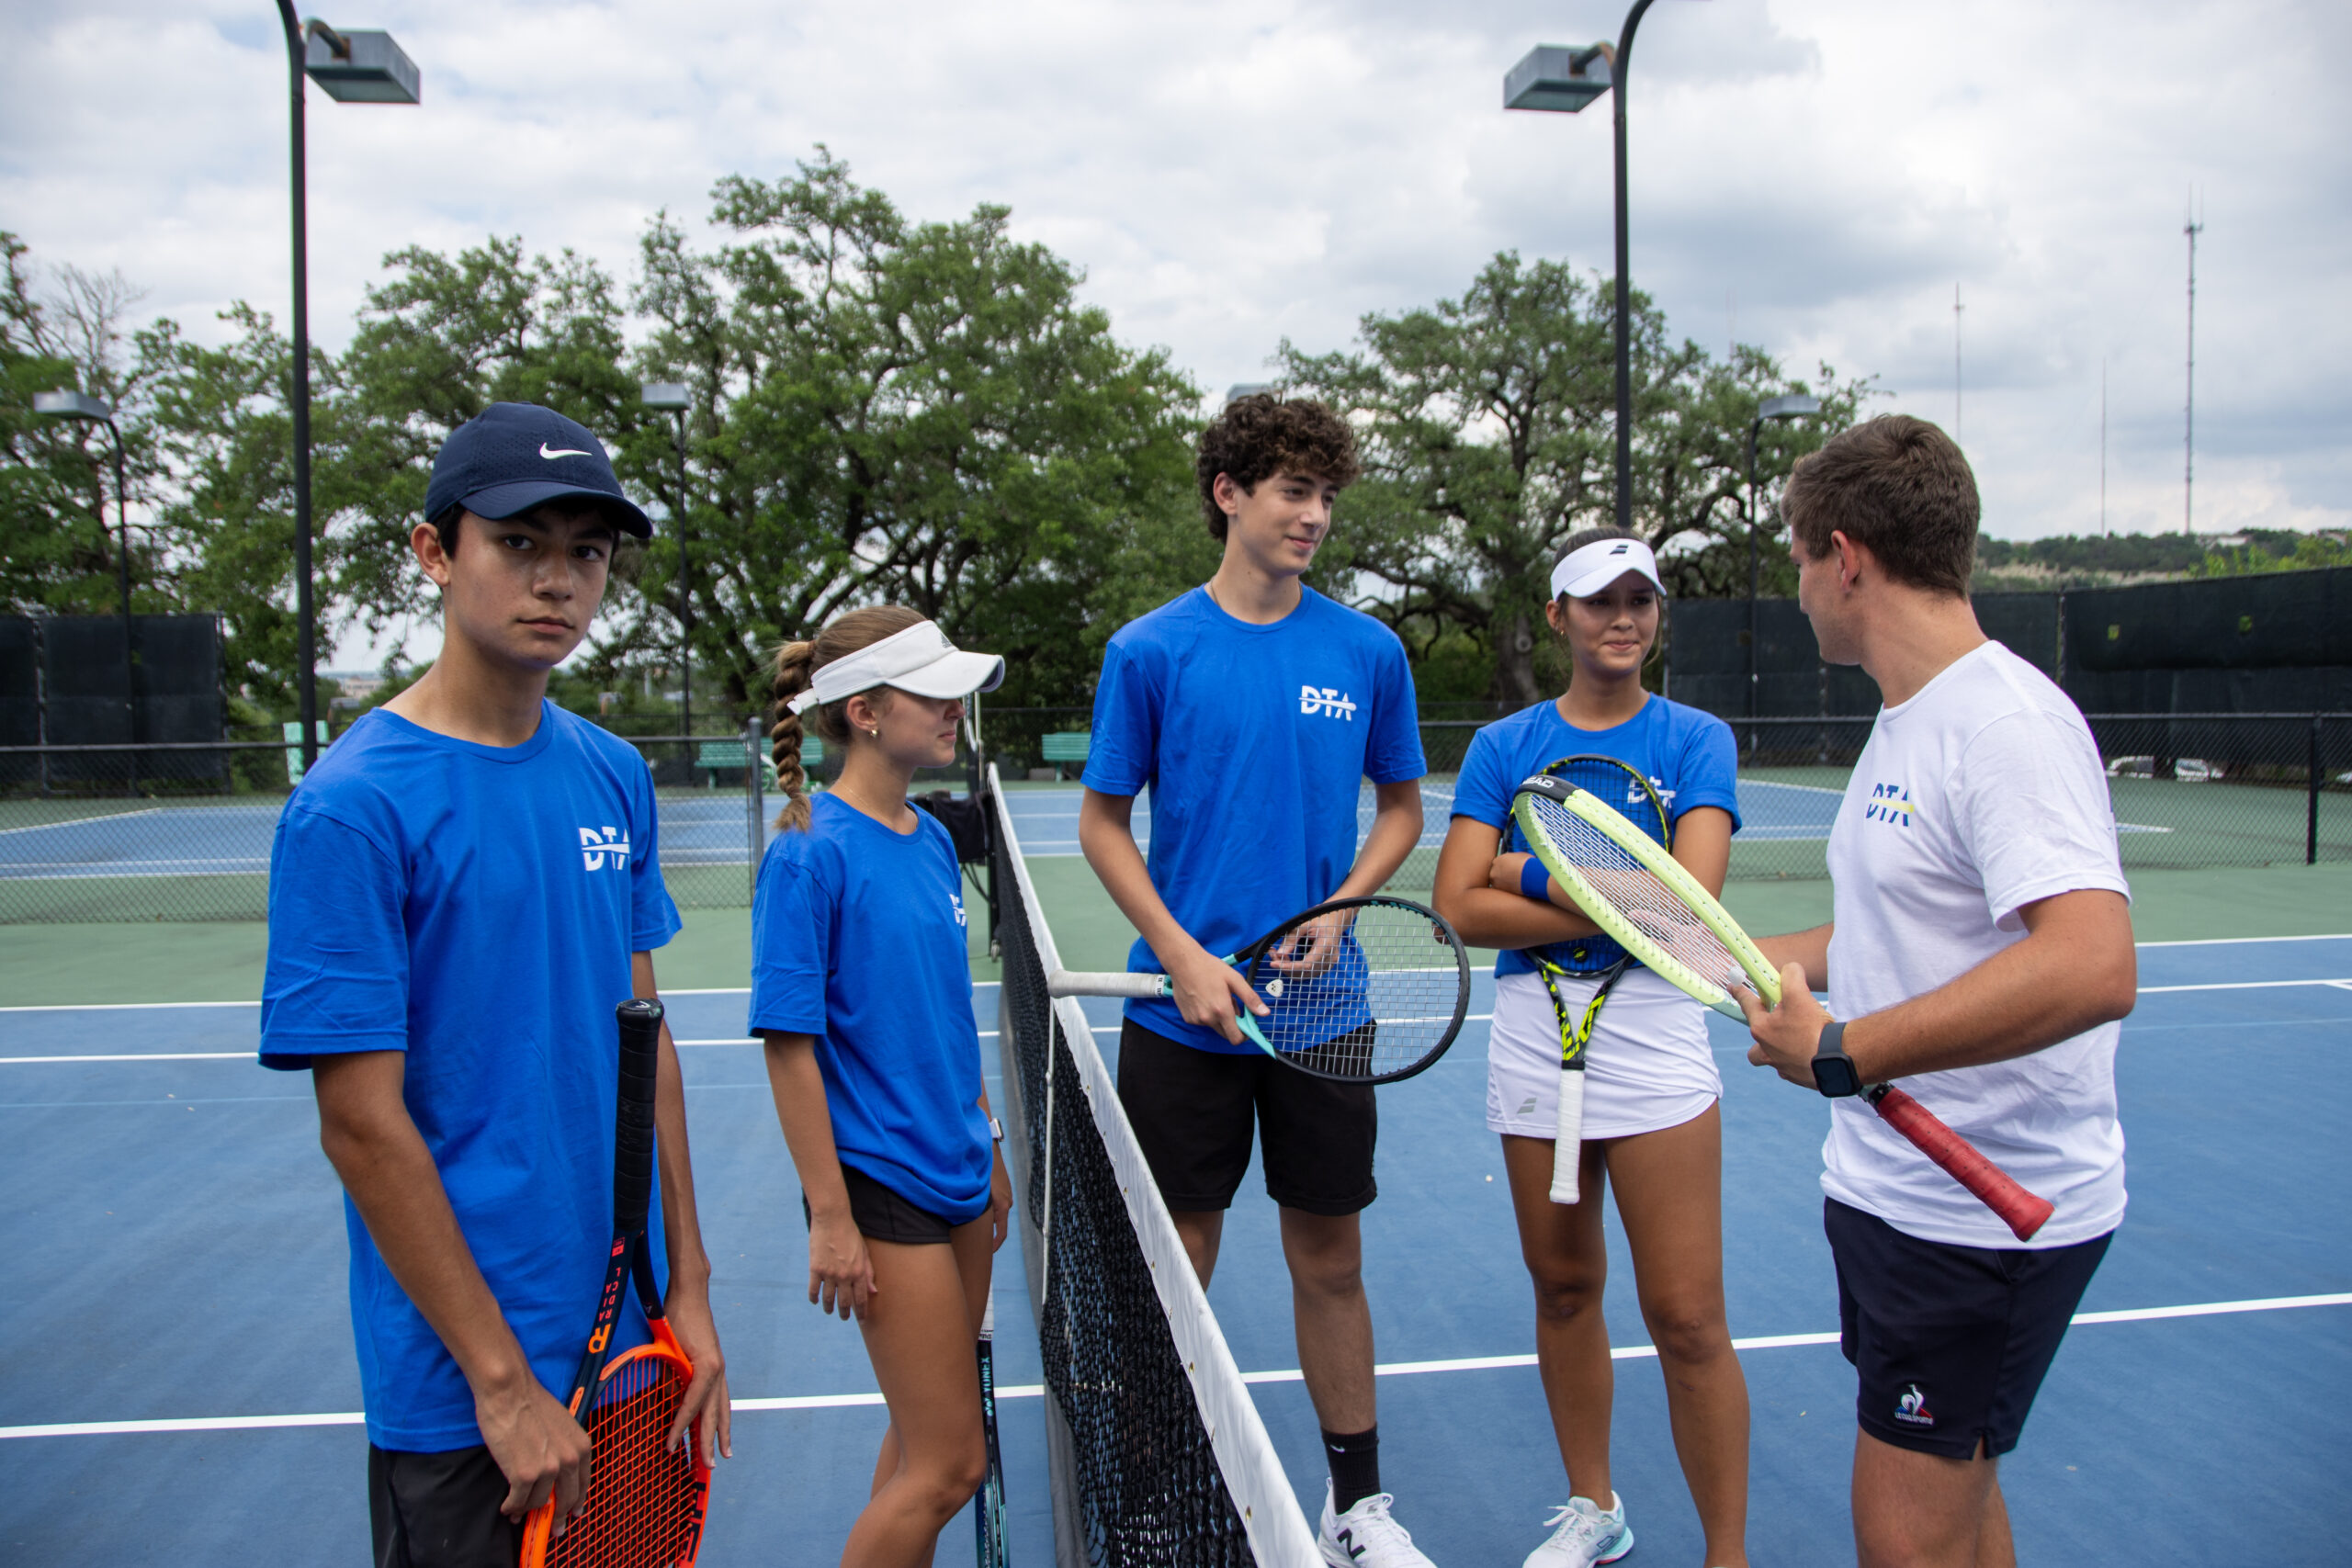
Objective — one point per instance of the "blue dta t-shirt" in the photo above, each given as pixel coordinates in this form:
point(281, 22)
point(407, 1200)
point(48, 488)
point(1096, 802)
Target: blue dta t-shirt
point(858, 938)
point(1255, 741)
point(1689, 757)
point(474, 907)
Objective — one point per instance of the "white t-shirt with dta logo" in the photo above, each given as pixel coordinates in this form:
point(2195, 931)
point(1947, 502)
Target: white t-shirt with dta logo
point(1980, 795)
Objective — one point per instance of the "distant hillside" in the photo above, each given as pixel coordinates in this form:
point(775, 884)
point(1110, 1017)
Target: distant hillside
point(2068, 562)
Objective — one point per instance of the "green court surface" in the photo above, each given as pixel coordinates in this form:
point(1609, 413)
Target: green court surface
point(199, 961)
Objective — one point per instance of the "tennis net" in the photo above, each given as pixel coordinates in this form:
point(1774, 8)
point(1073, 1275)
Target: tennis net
point(1157, 1454)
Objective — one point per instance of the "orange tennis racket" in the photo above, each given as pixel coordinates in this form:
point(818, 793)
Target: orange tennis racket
point(645, 1502)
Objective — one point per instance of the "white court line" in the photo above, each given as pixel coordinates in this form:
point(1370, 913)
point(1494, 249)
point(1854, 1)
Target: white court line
point(1034, 1390)
point(2342, 985)
point(82, 821)
point(2226, 941)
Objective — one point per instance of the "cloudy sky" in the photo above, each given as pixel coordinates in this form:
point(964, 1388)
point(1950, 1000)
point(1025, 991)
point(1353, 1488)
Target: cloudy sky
point(1817, 175)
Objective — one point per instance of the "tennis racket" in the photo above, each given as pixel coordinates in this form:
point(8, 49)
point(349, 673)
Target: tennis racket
point(645, 1502)
point(988, 1508)
point(1641, 895)
point(1637, 800)
point(1359, 990)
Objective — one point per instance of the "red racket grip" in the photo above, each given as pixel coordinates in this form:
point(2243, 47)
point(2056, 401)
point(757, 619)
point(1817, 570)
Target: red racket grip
point(2021, 1211)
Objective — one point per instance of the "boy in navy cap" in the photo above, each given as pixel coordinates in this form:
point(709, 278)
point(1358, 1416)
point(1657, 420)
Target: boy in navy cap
point(460, 893)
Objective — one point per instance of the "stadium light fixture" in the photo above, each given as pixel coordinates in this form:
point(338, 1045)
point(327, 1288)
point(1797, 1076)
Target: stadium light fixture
point(353, 68)
point(1789, 405)
point(1563, 81)
point(671, 398)
point(83, 408)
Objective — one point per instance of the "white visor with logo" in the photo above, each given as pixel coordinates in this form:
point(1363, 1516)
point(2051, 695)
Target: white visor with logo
point(919, 660)
point(1600, 563)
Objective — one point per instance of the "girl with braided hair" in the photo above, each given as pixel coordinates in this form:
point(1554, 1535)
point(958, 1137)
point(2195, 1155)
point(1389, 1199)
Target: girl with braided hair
point(862, 991)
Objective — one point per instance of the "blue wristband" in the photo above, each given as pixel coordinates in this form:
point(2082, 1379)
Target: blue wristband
point(1534, 882)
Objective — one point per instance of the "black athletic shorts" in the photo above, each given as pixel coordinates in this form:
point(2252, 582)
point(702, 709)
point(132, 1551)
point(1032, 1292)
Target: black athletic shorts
point(882, 1215)
point(1950, 1342)
point(440, 1510)
point(1192, 1113)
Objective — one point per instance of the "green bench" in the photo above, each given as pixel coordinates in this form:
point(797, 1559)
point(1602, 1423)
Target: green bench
point(1066, 747)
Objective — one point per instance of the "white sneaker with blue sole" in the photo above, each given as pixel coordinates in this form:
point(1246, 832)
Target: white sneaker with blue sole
point(1583, 1533)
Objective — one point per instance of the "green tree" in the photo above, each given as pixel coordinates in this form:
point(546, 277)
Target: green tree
point(57, 492)
point(920, 414)
point(1488, 428)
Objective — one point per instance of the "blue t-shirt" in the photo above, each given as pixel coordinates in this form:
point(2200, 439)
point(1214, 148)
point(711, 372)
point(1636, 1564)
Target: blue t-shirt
point(474, 907)
point(1255, 742)
point(858, 939)
point(1689, 757)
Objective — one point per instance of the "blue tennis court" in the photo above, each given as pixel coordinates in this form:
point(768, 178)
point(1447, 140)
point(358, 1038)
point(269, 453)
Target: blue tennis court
point(184, 1391)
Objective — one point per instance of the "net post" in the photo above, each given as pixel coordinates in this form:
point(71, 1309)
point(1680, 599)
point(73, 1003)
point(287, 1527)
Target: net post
point(2311, 800)
point(755, 796)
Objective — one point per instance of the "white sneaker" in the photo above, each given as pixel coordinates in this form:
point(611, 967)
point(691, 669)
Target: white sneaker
point(1584, 1534)
point(1366, 1537)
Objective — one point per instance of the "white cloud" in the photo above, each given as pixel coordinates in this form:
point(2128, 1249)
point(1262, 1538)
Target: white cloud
point(1229, 174)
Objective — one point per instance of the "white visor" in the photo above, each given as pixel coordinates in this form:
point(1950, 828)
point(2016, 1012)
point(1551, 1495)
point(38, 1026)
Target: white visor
point(919, 660)
point(1600, 563)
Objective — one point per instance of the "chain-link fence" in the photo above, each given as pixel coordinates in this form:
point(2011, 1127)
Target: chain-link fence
point(183, 832)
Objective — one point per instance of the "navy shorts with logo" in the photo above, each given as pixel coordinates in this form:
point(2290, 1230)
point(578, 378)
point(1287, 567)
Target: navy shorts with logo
point(1193, 1112)
point(1950, 1342)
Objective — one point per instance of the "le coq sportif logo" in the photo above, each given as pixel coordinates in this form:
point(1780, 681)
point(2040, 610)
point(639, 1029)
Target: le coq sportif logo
point(1327, 700)
point(603, 849)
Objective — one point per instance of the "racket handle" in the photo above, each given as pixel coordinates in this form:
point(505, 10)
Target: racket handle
point(1104, 983)
point(640, 1029)
point(2021, 1211)
point(1567, 1152)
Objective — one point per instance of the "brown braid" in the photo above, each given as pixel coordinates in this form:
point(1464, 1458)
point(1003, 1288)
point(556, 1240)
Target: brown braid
point(797, 664)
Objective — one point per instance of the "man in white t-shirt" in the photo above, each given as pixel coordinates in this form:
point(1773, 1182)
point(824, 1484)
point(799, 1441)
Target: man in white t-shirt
point(1980, 951)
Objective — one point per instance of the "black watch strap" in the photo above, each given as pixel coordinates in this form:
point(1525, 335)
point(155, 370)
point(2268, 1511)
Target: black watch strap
point(1833, 1070)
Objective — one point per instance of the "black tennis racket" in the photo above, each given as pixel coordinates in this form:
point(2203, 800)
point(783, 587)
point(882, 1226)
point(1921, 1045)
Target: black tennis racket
point(1623, 786)
point(988, 1504)
point(1357, 991)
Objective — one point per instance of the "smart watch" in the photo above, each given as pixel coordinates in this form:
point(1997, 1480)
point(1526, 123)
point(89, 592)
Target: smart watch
point(996, 1129)
point(1833, 1070)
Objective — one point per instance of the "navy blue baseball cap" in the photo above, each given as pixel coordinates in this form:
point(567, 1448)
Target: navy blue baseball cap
point(513, 456)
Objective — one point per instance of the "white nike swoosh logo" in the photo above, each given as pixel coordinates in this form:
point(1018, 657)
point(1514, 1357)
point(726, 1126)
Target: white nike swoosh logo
point(560, 452)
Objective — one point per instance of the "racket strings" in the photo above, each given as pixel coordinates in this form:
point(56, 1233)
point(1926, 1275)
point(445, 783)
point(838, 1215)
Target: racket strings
point(1636, 892)
point(1365, 994)
point(644, 1504)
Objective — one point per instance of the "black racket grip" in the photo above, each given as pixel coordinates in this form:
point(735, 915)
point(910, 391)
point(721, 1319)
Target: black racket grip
point(640, 1026)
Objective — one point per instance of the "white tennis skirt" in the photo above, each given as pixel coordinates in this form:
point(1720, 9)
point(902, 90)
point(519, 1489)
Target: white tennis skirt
point(1648, 1067)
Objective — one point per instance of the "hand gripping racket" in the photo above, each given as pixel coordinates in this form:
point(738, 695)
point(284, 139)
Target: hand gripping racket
point(645, 1502)
point(1637, 800)
point(1638, 894)
point(1359, 990)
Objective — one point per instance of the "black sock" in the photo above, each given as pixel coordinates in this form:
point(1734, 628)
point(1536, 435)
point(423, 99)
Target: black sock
point(1355, 1467)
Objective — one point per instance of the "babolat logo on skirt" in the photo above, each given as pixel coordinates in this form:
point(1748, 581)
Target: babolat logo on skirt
point(1327, 700)
point(1912, 1408)
point(599, 848)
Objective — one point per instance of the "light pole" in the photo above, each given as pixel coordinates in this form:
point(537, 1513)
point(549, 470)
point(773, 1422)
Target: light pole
point(672, 395)
point(83, 408)
point(1792, 405)
point(1565, 81)
point(353, 68)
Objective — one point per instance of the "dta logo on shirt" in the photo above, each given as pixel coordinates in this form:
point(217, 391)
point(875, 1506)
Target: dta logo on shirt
point(1912, 1408)
point(596, 848)
point(1327, 700)
point(1889, 803)
point(961, 918)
